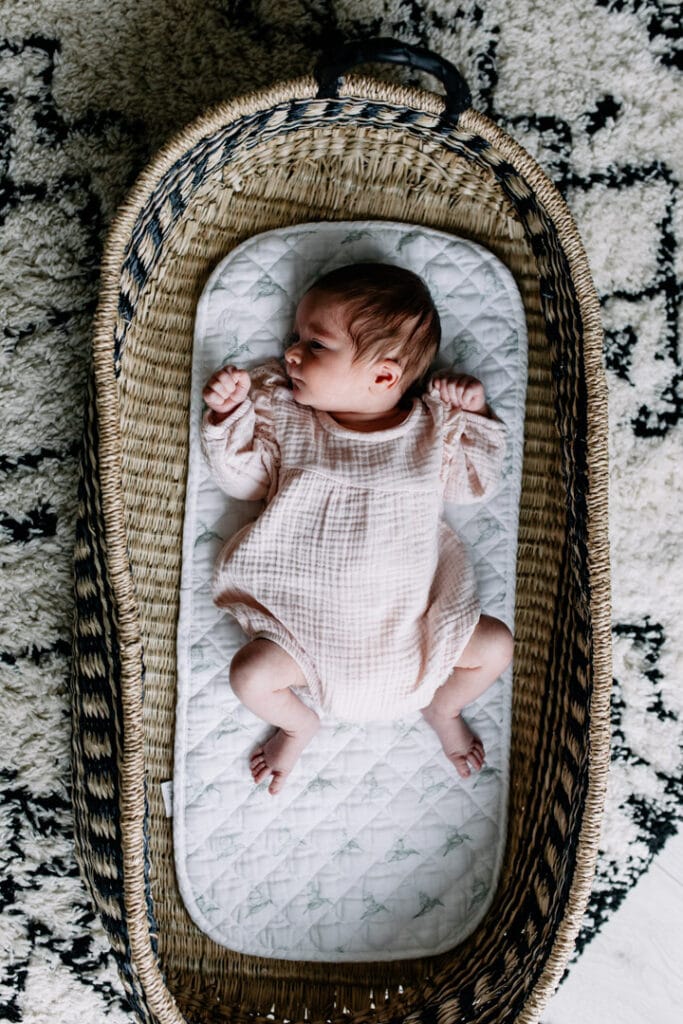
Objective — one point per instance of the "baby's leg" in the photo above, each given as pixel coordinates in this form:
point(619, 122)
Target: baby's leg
point(487, 654)
point(261, 674)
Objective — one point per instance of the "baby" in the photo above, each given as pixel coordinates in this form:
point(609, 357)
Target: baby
point(349, 582)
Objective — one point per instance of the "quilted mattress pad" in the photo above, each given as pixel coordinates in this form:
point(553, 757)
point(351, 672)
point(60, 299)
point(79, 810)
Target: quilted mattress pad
point(375, 849)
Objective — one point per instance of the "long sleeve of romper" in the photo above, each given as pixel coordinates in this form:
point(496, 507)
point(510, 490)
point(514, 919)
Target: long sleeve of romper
point(474, 448)
point(242, 451)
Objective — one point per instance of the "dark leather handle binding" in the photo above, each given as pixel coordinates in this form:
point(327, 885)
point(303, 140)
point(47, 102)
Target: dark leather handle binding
point(332, 67)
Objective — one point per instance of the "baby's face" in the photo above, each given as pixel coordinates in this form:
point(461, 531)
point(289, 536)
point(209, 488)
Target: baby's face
point(320, 361)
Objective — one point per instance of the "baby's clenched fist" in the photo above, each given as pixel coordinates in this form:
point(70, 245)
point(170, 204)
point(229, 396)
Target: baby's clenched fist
point(461, 392)
point(225, 390)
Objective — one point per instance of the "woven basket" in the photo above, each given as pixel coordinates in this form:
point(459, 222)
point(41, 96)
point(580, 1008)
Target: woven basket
point(366, 150)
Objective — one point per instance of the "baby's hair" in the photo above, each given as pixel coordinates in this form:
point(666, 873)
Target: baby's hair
point(390, 313)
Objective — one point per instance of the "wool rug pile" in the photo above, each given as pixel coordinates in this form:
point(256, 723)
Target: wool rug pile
point(88, 91)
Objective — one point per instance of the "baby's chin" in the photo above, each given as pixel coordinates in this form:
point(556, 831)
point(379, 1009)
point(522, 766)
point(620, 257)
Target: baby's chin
point(298, 396)
point(301, 398)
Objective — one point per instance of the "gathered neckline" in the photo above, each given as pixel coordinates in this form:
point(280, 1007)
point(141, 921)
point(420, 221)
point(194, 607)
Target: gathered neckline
point(331, 425)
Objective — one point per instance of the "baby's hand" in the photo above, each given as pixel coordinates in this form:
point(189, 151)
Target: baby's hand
point(461, 392)
point(225, 390)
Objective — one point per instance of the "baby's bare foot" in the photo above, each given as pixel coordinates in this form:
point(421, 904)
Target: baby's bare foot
point(460, 745)
point(280, 753)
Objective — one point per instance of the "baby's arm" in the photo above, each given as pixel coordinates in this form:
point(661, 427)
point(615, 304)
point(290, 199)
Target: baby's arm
point(238, 435)
point(474, 439)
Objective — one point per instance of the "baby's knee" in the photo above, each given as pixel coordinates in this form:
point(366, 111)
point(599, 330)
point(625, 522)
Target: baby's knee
point(498, 641)
point(504, 644)
point(247, 674)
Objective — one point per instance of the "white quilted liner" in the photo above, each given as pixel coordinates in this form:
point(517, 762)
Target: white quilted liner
point(375, 849)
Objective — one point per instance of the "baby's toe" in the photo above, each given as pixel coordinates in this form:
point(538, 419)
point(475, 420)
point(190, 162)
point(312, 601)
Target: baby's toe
point(258, 765)
point(259, 773)
point(476, 757)
point(277, 782)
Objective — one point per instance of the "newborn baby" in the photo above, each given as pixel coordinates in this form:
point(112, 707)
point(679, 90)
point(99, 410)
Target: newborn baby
point(350, 583)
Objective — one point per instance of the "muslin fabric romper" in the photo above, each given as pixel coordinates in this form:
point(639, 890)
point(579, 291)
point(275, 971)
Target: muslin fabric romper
point(350, 566)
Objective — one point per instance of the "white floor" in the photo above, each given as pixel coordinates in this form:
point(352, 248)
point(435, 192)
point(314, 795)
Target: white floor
point(632, 972)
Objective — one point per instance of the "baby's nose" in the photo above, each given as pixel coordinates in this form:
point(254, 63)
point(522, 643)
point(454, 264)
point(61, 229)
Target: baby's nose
point(293, 353)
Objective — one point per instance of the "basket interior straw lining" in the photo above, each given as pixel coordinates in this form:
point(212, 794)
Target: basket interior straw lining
point(346, 170)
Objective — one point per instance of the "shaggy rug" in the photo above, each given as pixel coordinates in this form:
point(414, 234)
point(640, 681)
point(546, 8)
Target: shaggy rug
point(88, 91)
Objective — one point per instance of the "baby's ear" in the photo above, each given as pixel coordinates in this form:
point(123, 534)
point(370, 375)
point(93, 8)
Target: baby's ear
point(388, 374)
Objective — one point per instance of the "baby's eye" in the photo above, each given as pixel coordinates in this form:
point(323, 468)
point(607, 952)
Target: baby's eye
point(316, 344)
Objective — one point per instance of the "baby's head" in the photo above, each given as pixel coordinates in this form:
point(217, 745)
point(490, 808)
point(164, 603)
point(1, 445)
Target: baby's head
point(364, 332)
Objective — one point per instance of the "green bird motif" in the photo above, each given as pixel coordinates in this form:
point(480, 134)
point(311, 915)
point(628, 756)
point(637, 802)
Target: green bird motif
point(355, 236)
point(400, 852)
point(315, 900)
point(372, 907)
point(352, 846)
point(206, 905)
point(486, 773)
point(256, 901)
point(319, 784)
point(205, 535)
point(454, 839)
point(427, 903)
point(479, 893)
point(236, 349)
point(265, 286)
point(406, 239)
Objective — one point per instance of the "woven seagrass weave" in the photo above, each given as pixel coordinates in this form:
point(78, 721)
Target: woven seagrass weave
point(270, 160)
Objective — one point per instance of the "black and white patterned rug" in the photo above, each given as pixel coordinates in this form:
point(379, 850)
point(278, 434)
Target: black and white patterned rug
point(88, 92)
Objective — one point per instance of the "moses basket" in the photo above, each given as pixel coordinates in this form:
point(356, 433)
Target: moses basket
point(321, 148)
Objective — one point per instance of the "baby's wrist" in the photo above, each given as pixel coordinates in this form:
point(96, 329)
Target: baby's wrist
point(215, 418)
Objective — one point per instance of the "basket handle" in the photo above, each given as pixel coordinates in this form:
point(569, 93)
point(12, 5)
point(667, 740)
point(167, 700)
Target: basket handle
point(330, 70)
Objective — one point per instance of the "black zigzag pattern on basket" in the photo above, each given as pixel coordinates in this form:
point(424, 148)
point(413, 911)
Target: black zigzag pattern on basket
point(535, 905)
point(97, 719)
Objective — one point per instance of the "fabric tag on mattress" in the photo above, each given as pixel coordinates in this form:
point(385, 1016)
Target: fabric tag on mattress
point(375, 849)
point(167, 797)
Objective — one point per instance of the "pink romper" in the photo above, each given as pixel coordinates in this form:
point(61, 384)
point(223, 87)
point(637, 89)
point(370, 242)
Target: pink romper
point(350, 566)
